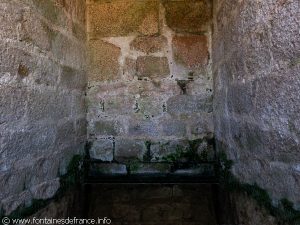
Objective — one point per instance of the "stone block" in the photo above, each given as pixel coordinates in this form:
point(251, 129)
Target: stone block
point(191, 50)
point(284, 33)
point(126, 149)
point(118, 105)
point(34, 140)
point(102, 149)
point(149, 106)
point(152, 67)
point(188, 16)
point(149, 44)
point(108, 169)
point(160, 149)
point(11, 16)
point(173, 127)
point(12, 105)
point(48, 104)
point(123, 18)
point(143, 128)
point(108, 128)
point(104, 61)
point(35, 31)
point(186, 104)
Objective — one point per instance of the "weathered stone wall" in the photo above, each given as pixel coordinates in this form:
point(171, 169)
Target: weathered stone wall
point(150, 82)
point(42, 82)
point(257, 87)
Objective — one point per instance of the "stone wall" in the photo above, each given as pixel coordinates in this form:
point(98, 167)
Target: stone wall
point(150, 82)
point(256, 83)
point(42, 82)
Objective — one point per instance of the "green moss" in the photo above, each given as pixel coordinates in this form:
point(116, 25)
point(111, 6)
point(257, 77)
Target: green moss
point(133, 165)
point(147, 157)
point(71, 179)
point(189, 153)
point(284, 212)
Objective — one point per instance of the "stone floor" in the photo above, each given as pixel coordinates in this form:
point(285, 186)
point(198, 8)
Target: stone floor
point(152, 204)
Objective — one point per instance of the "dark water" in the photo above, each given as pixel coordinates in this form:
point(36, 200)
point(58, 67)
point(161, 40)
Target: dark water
point(152, 204)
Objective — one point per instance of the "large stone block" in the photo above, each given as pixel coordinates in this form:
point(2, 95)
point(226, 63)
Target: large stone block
point(191, 51)
point(102, 149)
point(173, 127)
point(108, 128)
point(129, 149)
point(122, 18)
point(118, 105)
point(48, 105)
point(149, 44)
point(104, 61)
point(160, 149)
point(35, 139)
point(188, 16)
point(152, 67)
point(12, 105)
point(143, 128)
point(285, 35)
point(150, 105)
point(186, 104)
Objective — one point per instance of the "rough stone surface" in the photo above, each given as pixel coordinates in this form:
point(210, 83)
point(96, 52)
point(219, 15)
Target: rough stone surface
point(104, 61)
point(42, 82)
point(152, 67)
point(188, 16)
point(149, 44)
point(185, 104)
point(126, 149)
point(256, 94)
point(191, 51)
point(121, 18)
point(102, 149)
